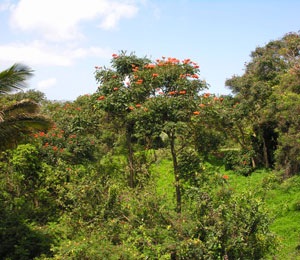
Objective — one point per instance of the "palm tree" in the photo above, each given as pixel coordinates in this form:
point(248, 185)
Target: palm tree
point(14, 78)
point(21, 118)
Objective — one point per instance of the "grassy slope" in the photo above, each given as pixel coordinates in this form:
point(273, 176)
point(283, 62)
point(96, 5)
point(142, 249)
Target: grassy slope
point(282, 200)
point(165, 180)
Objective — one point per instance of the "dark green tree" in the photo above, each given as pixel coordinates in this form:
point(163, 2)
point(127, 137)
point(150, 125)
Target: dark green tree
point(259, 92)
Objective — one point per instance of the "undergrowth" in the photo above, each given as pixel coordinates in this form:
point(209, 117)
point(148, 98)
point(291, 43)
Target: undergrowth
point(281, 197)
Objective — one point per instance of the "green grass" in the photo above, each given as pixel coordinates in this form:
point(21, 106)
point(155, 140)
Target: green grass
point(282, 199)
point(163, 172)
point(284, 203)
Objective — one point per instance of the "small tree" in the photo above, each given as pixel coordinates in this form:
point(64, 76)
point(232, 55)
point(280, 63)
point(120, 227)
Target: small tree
point(144, 98)
point(118, 94)
point(175, 87)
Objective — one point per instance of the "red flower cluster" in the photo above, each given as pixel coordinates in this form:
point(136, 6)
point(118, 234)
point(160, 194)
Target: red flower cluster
point(186, 61)
point(54, 148)
point(135, 69)
point(40, 134)
point(183, 76)
point(172, 61)
point(139, 81)
point(149, 66)
point(44, 136)
point(181, 92)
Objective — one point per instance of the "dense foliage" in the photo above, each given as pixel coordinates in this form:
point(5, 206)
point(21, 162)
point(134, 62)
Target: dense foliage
point(267, 96)
point(144, 168)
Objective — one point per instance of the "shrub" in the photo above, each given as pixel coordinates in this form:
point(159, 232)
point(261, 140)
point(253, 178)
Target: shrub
point(227, 226)
point(239, 161)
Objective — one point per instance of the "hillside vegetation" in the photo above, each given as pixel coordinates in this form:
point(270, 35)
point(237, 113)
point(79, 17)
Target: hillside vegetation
point(154, 166)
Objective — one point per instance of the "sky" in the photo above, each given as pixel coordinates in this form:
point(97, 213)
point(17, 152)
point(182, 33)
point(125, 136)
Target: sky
point(63, 40)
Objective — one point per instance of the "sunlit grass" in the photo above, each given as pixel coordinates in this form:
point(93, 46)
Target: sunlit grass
point(163, 174)
point(282, 199)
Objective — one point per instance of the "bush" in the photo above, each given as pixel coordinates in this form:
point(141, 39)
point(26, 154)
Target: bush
point(189, 164)
point(19, 240)
point(227, 226)
point(239, 161)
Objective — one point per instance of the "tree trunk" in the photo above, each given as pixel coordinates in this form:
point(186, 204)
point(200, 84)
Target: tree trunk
point(253, 163)
point(265, 153)
point(176, 173)
point(130, 160)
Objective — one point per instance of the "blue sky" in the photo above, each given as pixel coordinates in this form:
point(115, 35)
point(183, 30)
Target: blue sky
point(63, 40)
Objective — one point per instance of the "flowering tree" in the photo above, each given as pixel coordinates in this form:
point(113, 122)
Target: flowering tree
point(170, 108)
point(150, 98)
point(119, 93)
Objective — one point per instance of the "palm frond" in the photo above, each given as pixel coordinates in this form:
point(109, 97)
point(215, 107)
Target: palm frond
point(25, 106)
point(14, 78)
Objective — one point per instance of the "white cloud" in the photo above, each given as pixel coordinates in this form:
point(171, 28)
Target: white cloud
point(116, 12)
point(6, 5)
point(33, 54)
point(78, 53)
point(46, 84)
point(39, 53)
point(58, 20)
